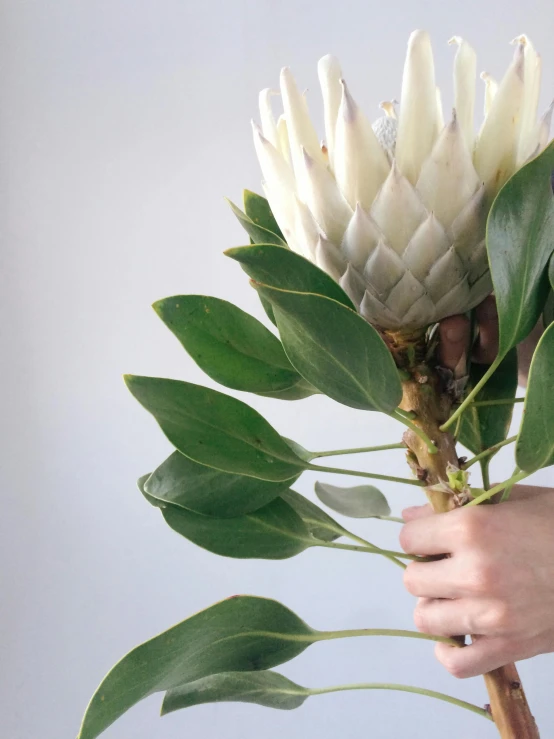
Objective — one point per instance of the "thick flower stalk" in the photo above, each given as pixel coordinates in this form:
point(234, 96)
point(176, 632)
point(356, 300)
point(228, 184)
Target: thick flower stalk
point(396, 211)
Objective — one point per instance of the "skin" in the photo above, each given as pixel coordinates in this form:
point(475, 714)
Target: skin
point(498, 580)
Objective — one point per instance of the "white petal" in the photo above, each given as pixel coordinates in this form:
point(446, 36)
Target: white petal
point(444, 275)
point(275, 170)
point(418, 125)
point(360, 163)
point(440, 112)
point(377, 313)
point(469, 227)
point(353, 285)
point(428, 244)
point(544, 128)
point(465, 72)
point(269, 127)
point(319, 191)
point(404, 294)
point(491, 88)
point(420, 314)
point(283, 143)
point(330, 75)
point(328, 258)
point(281, 202)
point(532, 83)
point(456, 300)
point(479, 291)
point(300, 128)
point(306, 233)
point(478, 263)
point(384, 269)
point(397, 210)
point(496, 149)
point(360, 238)
point(448, 179)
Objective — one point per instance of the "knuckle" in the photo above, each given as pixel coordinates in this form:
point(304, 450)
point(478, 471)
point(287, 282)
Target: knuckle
point(497, 619)
point(411, 579)
point(404, 538)
point(421, 619)
point(472, 527)
point(481, 579)
point(449, 659)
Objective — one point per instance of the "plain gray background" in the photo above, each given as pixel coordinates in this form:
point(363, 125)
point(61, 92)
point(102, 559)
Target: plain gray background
point(123, 126)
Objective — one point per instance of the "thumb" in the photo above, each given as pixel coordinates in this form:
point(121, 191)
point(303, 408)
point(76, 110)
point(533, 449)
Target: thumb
point(416, 511)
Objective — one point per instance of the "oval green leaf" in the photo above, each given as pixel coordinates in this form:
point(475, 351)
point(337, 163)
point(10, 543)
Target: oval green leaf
point(319, 523)
point(520, 241)
point(257, 233)
point(238, 634)
point(215, 429)
point(548, 312)
point(257, 208)
point(181, 481)
point(336, 350)
point(283, 268)
point(483, 427)
point(265, 688)
point(361, 501)
point(275, 531)
point(535, 442)
point(232, 347)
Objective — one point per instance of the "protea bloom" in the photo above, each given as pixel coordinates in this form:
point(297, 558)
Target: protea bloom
point(396, 211)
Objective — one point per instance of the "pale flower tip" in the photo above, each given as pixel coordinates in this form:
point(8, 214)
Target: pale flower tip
point(388, 107)
point(522, 40)
point(348, 107)
point(256, 129)
point(455, 40)
point(327, 63)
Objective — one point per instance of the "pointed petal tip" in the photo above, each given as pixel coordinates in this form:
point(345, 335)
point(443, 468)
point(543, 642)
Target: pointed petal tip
point(522, 39)
point(455, 40)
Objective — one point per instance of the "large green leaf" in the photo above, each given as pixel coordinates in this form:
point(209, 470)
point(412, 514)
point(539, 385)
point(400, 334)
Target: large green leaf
point(482, 427)
point(257, 233)
point(336, 350)
point(320, 525)
point(258, 210)
point(232, 347)
point(265, 688)
point(275, 531)
point(282, 268)
point(535, 443)
point(520, 241)
point(215, 429)
point(361, 501)
point(181, 481)
point(548, 312)
point(239, 634)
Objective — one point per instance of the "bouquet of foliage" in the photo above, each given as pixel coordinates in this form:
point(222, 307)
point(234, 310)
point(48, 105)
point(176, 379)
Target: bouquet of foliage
point(361, 246)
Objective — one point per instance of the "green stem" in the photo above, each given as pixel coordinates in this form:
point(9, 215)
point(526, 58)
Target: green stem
point(407, 414)
point(394, 519)
point(372, 550)
point(405, 689)
point(358, 450)
point(373, 475)
point(485, 473)
point(399, 415)
point(519, 475)
point(384, 552)
point(485, 403)
point(462, 407)
point(346, 634)
point(491, 450)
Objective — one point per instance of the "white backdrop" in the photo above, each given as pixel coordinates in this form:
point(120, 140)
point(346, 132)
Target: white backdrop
point(123, 125)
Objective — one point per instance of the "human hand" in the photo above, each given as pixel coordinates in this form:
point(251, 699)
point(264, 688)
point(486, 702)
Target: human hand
point(497, 583)
point(454, 340)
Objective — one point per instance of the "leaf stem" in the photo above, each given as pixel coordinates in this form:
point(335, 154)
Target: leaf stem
point(347, 633)
point(501, 401)
point(356, 473)
point(372, 550)
point(491, 450)
point(462, 407)
point(403, 418)
point(358, 450)
point(405, 689)
point(384, 552)
point(516, 477)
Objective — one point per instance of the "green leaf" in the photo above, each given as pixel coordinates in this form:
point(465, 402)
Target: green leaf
point(283, 268)
point(232, 347)
point(215, 429)
point(258, 210)
point(264, 688)
point(548, 312)
point(182, 482)
point(520, 241)
point(551, 272)
point(336, 350)
point(483, 427)
point(362, 501)
point(320, 525)
point(275, 531)
point(239, 634)
point(535, 442)
point(258, 234)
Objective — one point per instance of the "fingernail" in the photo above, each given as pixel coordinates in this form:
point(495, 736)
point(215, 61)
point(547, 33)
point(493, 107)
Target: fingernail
point(456, 334)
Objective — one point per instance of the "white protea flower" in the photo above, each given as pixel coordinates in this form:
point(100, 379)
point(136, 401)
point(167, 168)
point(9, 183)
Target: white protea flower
point(396, 211)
